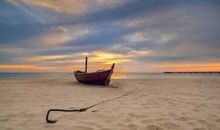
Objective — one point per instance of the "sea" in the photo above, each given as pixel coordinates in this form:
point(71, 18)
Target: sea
point(55, 76)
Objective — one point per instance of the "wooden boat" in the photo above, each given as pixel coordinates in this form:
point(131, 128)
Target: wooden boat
point(100, 77)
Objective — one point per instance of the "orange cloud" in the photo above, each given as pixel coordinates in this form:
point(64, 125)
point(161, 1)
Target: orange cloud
point(100, 57)
point(52, 39)
point(63, 6)
point(97, 60)
point(107, 57)
point(23, 67)
point(54, 58)
point(190, 67)
point(121, 70)
point(59, 36)
point(42, 58)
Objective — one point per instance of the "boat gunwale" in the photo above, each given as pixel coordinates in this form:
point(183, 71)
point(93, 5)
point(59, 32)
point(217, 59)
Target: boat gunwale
point(75, 72)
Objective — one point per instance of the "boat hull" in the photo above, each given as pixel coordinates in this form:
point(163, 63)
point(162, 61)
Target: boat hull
point(100, 78)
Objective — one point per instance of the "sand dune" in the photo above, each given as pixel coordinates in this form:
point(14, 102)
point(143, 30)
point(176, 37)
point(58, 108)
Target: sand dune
point(155, 104)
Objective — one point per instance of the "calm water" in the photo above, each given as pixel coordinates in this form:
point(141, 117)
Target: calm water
point(115, 75)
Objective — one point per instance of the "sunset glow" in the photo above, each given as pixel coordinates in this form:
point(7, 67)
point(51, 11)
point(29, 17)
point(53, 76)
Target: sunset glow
point(214, 67)
point(30, 67)
point(139, 36)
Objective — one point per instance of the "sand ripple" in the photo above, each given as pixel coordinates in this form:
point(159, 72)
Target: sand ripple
point(156, 104)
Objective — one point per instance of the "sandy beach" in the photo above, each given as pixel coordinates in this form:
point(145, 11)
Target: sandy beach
point(154, 104)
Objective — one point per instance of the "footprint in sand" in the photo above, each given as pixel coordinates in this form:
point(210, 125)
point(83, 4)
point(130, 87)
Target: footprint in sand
point(95, 110)
point(132, 126)
point(88, 123)
point(199, 129)
point(160, 119)
point(29, 115)
point(152, 127)
point(146, 121)
point(9, 129)
point(173, 114)
point(183, 118)
point(170, 126)
point(4, 120)
point(121, 125)
point(191, 123)
point(218, 120)
point(81, 128)
point(204, 122)
point(211, 115)
point(195, 110)
point(105, 129)
point(203, 105)
point(137, 116)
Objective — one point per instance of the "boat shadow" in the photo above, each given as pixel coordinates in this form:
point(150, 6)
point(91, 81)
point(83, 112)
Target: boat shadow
point(75, 83)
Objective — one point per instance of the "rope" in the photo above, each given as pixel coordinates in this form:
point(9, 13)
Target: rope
point(84, 109)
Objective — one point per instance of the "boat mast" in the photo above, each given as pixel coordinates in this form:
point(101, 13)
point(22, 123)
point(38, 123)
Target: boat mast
point(86, 65)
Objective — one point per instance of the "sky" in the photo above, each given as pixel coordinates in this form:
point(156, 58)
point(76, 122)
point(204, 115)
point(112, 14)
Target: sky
point(137, 35)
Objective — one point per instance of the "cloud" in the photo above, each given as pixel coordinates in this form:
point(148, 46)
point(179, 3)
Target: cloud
point(36, 68)
point(195, 67)
point(69, 6)
point(21, 67)
point(43, 58)
point(58, 36)
point(64, 6)
point(142, 33)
